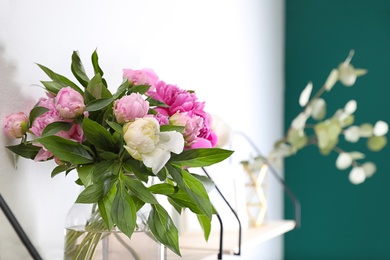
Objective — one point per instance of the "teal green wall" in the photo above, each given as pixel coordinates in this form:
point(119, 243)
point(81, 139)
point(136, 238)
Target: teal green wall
point(339, 220)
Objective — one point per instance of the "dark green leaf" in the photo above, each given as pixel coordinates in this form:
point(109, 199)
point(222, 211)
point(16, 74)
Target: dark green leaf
point(97, 88)
point(123, 211)
point(85, 173)
point(200, 157)
point(139, 190)
point(36, 112)
point(117, 127)
point(138, 168)
point(55, 127)
point(193, 187)
point(60, 79)
point(98, 104)
point(97, 135)
point(95, 63)
point(66, 150)
point(108, 155)
point(153, 102)
point(53, 86)
point(163, 228)
point(78, 69)
point(28, 151)
point(142, 89)
point(105, 205)
point(91, 194)
point(122, 89)
point(59, 169)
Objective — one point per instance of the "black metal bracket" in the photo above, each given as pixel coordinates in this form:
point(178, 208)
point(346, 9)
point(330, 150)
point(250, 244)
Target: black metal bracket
point(19, 230)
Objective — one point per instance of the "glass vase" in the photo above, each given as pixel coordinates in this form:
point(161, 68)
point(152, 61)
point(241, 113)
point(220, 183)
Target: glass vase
point(87, 238)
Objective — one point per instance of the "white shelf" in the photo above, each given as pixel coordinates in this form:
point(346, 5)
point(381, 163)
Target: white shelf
point(193, 246)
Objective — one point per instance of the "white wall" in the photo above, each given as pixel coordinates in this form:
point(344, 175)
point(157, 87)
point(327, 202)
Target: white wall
point(230, 52)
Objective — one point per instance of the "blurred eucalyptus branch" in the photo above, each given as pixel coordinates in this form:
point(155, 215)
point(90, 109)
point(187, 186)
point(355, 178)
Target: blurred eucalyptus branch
point(325, 132)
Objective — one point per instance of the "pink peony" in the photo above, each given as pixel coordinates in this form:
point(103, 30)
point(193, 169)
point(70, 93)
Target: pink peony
point(46, 118)
point(141, 77)
point(128, 108)
point(192, 125)
point(15, 125)
point(69, 103)
point(177, 99)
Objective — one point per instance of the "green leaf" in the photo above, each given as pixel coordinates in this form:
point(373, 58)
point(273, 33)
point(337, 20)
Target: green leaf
point(193, 187)
point(55, 127)
point(296, 138)
point(163, 228)
point(36, 112)
point(123, 211)
point(110, 156)
point(60, 79)
point(205, 223)
point(105, 205)
point(28, 151)
point(105, 168)
point(139, 190)
point(200, 157)
point(95, 63)
point(66, 150)
point(97, 88)
point(59, 169)
point(91, 194)
point(97, 135)
point(98, 104)
point(78, 69)
point(327, 135)
point(53, 86)
point(165, 128)
point(154, 102)
point(142, 89)
point(117, 127)
point(138, 168)
point(120, 92)
point(376, 143)
point(85, 173)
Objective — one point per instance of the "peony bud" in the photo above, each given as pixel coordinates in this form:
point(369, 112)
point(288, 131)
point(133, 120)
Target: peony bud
point(15, 125)
point(128, 108)
point(141, 77)
point(69, 103)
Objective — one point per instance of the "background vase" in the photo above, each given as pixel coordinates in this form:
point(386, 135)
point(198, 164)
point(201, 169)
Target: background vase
point(87, 238)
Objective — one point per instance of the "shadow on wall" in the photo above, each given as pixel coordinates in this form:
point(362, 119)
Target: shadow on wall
point(12, 100)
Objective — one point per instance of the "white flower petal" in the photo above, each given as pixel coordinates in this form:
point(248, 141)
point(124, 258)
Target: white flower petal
point(357, 175)
point(156, 159)
point(171, 141)
point(351, 106)
point(381, 128)
point(347, 74)
point(352, 134)
point(305, 95)
point(344, 160)
point(332, 79)
point(300, 121)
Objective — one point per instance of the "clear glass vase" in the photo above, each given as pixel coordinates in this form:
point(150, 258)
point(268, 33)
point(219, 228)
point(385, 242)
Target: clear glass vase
point(86, 238)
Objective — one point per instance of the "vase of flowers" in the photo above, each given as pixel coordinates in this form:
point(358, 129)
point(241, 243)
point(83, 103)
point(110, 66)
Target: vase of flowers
point(129, 148)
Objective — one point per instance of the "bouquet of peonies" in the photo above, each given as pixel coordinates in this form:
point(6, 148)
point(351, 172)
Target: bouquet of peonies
point(117, 142)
